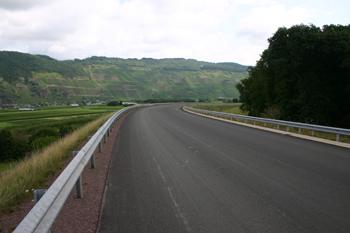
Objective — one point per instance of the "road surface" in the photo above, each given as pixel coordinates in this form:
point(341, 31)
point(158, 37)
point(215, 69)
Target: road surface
point(173, 171)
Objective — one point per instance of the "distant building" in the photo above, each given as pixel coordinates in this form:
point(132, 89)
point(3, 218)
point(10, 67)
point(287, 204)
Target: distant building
point(26, 109)
point(75, 105)
point(129, 103)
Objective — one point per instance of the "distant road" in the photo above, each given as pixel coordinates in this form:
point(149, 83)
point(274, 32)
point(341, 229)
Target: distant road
point(178, 172)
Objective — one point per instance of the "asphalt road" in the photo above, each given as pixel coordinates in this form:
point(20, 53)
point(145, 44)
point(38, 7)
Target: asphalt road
point(173, 171)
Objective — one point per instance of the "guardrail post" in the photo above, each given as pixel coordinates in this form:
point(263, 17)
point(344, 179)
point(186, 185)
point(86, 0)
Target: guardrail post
point(78, 185)
point(264, 124)
point(38, 194)
point(104, 138)
point(92, 159)
point(313, 132)
point(99, 144)
point(278, 126)
point(108, 131)
point(287, 128)
point(299, 132)
point(254, 122)
point(337, 137)
point(99, 147)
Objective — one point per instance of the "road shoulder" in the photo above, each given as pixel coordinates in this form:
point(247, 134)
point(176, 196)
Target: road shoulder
point(335, 143)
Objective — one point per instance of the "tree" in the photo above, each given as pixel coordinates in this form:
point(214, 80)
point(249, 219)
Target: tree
point(304, 74)
point(114, 103)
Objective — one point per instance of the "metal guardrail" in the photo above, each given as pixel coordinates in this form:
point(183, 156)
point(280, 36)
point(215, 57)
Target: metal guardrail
point(44, 213)
point(337, 131)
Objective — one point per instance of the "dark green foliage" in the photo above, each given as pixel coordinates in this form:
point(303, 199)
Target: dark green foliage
point(43, 137)
point(44, 133)
point(14, 65)
point(234, 100)
point(303, 75)
point(65, 129)
point(114, 103)
point(10, 148)
point(41, 142)
point(152, 101)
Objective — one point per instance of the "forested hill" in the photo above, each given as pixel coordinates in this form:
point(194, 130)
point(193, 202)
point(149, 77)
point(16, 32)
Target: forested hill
point(26, 78)
point(14, 65)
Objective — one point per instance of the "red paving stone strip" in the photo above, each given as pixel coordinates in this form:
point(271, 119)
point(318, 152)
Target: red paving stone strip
point(78, 214)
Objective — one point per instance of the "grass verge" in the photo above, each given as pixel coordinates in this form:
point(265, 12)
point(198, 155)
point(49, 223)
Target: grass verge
point(33, 171)
point(228, 108)
point(234, 109)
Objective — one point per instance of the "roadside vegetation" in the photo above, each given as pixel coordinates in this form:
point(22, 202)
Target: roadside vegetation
point(26, 132)
point(236, 109)
point(32, 150)
point(228, 108)
point(10, 115)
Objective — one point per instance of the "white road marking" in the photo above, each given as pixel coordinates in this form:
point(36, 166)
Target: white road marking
point(181, 214)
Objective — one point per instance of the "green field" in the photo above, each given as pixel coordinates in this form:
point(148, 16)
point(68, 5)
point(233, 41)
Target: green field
point(23, 132)
point(54, 111)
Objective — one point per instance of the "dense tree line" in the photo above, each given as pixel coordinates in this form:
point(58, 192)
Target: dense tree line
point(304, 76)
point(115, 103)
point(225, 66)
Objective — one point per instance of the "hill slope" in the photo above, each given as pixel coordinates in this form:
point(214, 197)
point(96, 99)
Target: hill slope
point(29, 78)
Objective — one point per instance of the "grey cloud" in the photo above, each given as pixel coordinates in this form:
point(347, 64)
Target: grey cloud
point(21, 4)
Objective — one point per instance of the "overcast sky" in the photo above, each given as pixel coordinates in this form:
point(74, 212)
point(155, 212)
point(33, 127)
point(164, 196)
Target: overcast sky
point(205, 30)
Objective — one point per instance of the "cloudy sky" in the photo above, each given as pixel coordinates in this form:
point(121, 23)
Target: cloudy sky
point(206, 30)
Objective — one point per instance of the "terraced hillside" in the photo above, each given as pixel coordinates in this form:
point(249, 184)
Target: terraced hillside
point(101, 78)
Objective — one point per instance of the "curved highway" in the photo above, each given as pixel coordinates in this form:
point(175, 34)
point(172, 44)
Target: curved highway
point(173, 171)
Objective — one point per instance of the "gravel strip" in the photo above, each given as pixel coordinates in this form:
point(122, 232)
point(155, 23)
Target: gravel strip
point(77, 214)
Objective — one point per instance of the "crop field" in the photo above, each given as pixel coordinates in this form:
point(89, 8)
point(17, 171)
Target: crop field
point(54, 111)
point(36, 142)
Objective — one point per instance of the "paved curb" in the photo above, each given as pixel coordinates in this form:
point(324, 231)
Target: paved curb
point(335, 143)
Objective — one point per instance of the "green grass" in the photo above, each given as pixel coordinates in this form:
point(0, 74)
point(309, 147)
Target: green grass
point(32, 172)
point(228, 108)
point(55, 111)
point(4, 124)
point(6, 167)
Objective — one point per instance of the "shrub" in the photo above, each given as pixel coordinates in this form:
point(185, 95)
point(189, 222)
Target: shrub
point(11, 149)
point(44, 133)
point(41, 142)
point(114, 103)
point(64, 129)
